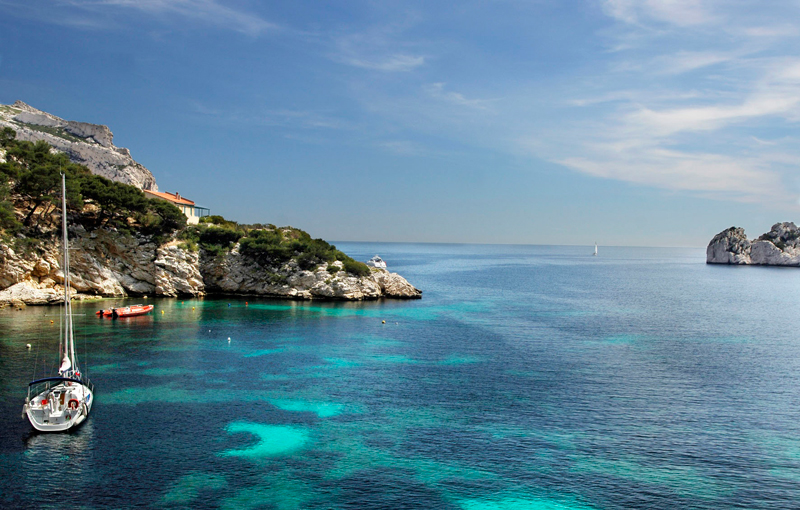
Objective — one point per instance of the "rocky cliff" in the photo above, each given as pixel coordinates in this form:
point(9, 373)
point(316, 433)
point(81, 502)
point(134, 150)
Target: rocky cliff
point(87, 144)
point(778, 247)
point(107, 263)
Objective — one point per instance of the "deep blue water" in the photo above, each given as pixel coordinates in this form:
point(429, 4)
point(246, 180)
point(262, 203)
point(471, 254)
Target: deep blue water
point(528, 377)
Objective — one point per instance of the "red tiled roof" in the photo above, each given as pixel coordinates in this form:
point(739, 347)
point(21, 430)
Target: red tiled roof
point(175, 198)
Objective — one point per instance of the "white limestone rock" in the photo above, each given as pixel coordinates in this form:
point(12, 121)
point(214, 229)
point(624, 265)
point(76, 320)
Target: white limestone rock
point(233, 273)
point(26, 293)
point(395, 286)
point(729, 247)
point(84, 143)
point(778, 247)
point(177, 272)
point(108, 263)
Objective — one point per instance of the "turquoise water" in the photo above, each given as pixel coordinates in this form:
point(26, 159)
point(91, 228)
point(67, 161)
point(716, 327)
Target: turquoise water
point(526, 378)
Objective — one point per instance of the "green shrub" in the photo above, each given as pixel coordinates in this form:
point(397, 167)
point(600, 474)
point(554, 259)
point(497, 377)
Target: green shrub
point(221, 236)
point(356, 268)
point(189, 246)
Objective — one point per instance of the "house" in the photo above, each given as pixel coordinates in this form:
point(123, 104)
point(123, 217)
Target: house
point(193, 212)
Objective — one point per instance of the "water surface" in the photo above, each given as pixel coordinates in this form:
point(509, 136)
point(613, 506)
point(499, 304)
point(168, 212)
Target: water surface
point(528, 377)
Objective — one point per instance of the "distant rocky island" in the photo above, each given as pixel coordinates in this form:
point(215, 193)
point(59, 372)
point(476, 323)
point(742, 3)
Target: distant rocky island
point(123, 243)
point(778, 247)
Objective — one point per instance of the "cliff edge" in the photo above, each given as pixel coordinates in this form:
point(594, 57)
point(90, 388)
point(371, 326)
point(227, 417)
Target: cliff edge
point(108, 263)
point(86, 144)
point(778, 247)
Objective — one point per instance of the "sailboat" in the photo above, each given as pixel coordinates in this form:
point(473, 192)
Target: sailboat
point(595, 250)
point(62, 401)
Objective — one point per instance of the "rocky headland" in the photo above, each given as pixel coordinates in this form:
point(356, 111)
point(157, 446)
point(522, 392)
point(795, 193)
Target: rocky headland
point(107, 263)
point(778, 247)
point(86, 144)
point(124, 244)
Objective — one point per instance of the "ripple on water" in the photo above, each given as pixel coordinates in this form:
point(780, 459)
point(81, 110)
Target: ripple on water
point(188, 487)
point(520, 503)
point(279, 490)
point(265, 352)
point(321, 409)
point(273, 440)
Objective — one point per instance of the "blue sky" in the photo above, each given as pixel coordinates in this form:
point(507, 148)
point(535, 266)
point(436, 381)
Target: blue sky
point(652, 123)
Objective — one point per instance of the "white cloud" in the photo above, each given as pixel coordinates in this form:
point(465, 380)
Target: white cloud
point(677, 12)
point(692, 102)
point(437, 91)
point(724, 177)
point(378, 48)
point(210, 12)
point(389, 63)
point(686, 61)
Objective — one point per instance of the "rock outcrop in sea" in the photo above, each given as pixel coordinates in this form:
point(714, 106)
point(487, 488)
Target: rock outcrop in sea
point(87, 144)
point(778, 247)
point(107, 263)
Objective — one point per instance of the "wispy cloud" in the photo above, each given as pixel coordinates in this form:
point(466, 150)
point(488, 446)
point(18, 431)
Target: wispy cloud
point(296, 119)
point(681, 111)
point(403, 147)
point(389, 63)
point(438, 91)
point(102, 13)
point(379, 48)
point(677, 12)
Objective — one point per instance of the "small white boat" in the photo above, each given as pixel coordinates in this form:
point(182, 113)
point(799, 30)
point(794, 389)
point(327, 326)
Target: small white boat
point(376, 261)
point(62, 401)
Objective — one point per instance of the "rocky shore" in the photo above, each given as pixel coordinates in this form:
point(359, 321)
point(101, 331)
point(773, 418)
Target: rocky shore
point(107, 263)
point(778, 247)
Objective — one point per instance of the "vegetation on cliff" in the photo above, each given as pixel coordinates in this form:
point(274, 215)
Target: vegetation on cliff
point(30, 194)
point(267, 244)
point(30, 191)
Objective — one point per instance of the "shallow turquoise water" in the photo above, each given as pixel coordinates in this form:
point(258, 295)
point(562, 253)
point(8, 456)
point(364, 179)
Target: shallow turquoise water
point(526, 378)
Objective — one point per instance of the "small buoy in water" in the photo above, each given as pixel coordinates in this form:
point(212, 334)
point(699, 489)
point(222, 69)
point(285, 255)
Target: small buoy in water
point(229, 304)
point(229, 339)
point(181, 302)
point(145, 297)
point(246, 303)
point(192, 308)
point(162, 312)
point(28, 346)
point(51, 322)
point(383, 322)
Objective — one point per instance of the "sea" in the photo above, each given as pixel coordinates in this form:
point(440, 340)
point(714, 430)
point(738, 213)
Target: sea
point(527, 377)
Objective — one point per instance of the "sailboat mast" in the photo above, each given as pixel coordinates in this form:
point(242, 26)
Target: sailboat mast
point(69, 346)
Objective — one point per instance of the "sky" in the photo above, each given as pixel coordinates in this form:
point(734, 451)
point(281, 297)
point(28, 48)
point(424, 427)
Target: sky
point(621, 122)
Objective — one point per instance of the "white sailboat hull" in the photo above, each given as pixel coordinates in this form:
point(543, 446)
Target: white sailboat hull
point(59, 408)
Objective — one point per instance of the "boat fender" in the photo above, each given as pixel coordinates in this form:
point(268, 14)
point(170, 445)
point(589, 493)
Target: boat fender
point(44, 402)
point(73, 403)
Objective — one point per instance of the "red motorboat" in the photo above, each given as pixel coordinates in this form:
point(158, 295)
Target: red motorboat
point(131, 311)
point(127, 311)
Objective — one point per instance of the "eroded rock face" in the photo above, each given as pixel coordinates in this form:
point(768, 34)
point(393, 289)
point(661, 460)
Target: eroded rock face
point(177, 272)
point(233, 273)
point(729, 247)
point(110, 264)
point(102, 263)
point(778, 247)
point(84, 143)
